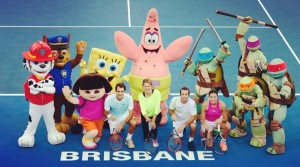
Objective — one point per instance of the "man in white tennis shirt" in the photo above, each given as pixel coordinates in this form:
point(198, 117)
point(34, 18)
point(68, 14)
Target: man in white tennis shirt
point(119, 111)
point(183, 113)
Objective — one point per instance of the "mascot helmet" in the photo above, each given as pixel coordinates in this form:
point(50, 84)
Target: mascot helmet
point(39, 51)
point(205, 55)
point(246, 83)
point(253, 43)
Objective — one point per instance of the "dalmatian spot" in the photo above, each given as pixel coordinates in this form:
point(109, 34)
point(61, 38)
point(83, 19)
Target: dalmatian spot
point(30, 82)
point(29, 119)
point(51, 79)
point(35, 85)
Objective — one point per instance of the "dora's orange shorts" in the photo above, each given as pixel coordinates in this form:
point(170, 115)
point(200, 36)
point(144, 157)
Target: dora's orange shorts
point(93, 125)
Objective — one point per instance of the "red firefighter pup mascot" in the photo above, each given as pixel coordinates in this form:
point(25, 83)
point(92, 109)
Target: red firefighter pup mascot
point(39, 91)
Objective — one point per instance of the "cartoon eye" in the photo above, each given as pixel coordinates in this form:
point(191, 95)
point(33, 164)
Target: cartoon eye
point(113, 67)
point(101, 63)
point(87, 92)
point(154, 39)
point(97, 91)
point(63, 52)
point(36, 63)
point(148, 39)
point(46, 62)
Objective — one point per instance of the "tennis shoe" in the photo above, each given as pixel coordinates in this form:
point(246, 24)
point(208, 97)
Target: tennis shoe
point(191, 146)
point(223, 146)
point(130, 143)
point(155, 143)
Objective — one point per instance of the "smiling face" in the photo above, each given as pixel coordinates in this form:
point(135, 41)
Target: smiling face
point(93, 94)
point(63, 56)
point(151, 42)
point(110, 65)
point(213, 98)
point(184, 96)
point(40, 69)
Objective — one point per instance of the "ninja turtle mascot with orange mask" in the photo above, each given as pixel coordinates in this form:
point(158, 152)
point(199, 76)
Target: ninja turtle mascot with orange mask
point(249, 97)
point(282, 95)
point(62, 77)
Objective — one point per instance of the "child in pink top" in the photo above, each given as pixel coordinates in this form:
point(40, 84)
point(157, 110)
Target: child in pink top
point(93, 89)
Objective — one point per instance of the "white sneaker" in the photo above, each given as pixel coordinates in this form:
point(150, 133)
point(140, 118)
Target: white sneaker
point(130, 143)
point(155, 143)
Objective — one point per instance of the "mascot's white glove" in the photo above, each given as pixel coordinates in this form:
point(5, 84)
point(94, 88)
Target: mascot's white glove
point(26, 141)
point(284, 93)
point(56, 138)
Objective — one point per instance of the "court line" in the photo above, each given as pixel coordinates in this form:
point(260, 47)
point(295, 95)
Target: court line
point(128, 10)
point(171, 94)
point(234, 27)
point(278, 30)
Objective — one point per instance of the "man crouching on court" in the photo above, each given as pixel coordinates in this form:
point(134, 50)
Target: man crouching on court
point(119, 111)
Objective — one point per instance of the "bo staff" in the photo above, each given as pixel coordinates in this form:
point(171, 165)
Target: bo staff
point(242, 18)
point(190, 57)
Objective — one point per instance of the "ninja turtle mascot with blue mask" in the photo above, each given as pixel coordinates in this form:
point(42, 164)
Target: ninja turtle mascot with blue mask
point(282, 95)
point(209, 72)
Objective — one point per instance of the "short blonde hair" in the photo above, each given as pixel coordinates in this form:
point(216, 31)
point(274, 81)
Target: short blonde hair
point(147, 80)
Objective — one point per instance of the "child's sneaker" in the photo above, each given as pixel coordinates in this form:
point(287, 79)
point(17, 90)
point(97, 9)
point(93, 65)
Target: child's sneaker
point(155, 143)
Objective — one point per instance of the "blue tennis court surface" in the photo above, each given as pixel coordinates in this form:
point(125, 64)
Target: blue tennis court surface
point(95, 21)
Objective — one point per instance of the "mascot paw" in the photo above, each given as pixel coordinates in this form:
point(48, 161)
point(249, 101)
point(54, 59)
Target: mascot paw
point(61, 127)
point(70, 121)
point(26, 141)
point(76, 129)
point(258, 142)
point(237, 133)
point(56, 138)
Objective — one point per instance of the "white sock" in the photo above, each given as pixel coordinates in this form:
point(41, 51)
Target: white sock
point(191, 139)
point(129, 136)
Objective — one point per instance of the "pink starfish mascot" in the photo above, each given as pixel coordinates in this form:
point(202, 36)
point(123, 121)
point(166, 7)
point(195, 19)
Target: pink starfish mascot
point(150, 60)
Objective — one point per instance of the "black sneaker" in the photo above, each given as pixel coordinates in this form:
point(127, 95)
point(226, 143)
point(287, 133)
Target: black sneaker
point(191, 146)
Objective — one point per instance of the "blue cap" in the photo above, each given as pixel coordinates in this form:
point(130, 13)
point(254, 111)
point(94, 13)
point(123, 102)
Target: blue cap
point(58, 42)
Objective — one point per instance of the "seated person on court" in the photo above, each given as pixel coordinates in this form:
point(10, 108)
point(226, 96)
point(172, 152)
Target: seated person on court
point(150, 108)
point(213, 112)
point(119, 111)
point(183, 112)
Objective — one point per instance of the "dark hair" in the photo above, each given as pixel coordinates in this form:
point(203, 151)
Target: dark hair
point(184, 88)
point(121, 85)
point(91, 81)
point(212, 91)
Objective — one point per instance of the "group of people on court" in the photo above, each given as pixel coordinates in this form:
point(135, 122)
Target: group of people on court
point(182, 110)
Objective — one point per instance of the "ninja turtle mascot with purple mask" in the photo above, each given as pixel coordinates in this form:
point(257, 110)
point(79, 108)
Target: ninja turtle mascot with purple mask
point(252, 61)
point(282, 95)
point(209, 72)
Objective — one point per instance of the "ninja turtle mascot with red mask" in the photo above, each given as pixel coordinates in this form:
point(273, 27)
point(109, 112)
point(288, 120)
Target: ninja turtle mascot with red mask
point(282, 95)
point(62, 77)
